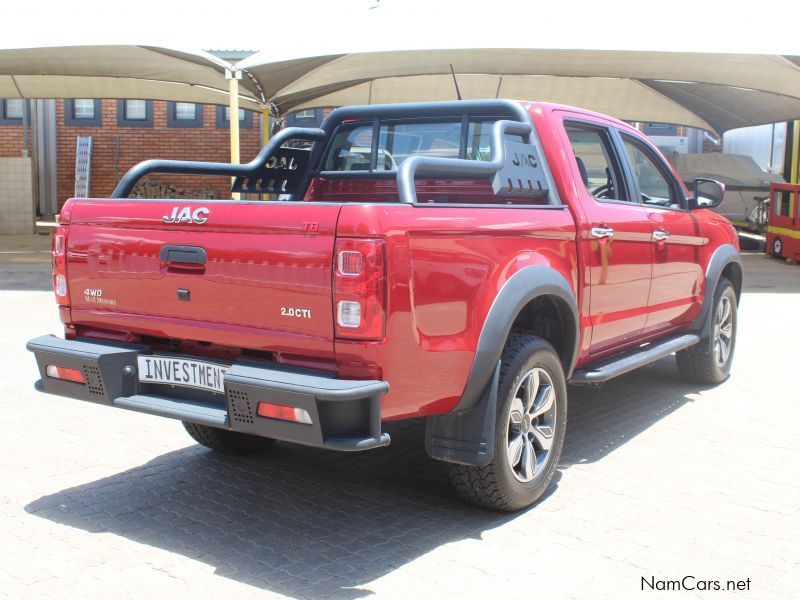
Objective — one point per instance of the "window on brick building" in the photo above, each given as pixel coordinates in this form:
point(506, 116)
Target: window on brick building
point(305, 118)
point(184, 114)
point(135, 110)
point(185, 111)
point(83, 109)
point(135, 113)
point(224, 117)
point(11, 111)
point(228, 113)
point(83, 112)
point(14, 109)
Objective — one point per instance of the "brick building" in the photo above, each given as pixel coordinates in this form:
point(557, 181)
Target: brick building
point(38, 141)
point(123, 133)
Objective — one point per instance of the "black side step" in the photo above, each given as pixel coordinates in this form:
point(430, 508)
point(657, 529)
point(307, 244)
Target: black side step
point(613, 367)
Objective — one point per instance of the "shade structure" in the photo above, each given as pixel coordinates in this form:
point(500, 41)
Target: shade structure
point(118, 72)
point(711, 91)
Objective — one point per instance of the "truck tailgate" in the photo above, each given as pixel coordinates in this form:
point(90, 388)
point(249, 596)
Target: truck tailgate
point(247, 274)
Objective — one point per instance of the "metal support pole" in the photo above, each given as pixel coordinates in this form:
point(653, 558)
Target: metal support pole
point(26, 126)
point(793, 176)
point(233, 105)
point(265, 129)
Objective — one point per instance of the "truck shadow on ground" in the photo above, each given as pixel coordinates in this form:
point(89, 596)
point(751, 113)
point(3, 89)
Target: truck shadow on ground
point(308, 523)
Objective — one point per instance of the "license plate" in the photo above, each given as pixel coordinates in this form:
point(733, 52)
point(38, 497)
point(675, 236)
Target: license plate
point(182, 372)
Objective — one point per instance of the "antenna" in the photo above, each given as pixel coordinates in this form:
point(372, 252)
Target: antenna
point(458, 91)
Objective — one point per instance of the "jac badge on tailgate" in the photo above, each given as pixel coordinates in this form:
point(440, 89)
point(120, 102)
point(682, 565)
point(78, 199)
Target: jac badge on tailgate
point(185, 215)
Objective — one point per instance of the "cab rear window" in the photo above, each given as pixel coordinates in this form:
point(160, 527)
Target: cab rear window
point(354, 148)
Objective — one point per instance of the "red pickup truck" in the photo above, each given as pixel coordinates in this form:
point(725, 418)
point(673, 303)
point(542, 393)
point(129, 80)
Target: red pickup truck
point(458, 261)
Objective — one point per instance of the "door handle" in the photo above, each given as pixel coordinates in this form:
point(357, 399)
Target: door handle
point(602, 232)
point(660, 235)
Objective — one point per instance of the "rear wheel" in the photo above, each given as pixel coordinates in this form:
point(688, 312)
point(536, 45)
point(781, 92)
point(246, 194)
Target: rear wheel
point(529, 430)
point(709, 361)
point(227, 442)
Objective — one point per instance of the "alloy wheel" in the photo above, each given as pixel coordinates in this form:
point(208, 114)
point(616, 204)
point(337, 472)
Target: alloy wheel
point(723, 331)
point(531, 424)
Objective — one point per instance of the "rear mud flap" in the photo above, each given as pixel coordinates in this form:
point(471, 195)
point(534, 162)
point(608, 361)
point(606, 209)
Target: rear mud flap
point(466, 437)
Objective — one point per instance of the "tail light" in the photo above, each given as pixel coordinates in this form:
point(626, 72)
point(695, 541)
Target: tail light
point(283, 413)
point(64, 373)
point(60, 265)
point(359, 288)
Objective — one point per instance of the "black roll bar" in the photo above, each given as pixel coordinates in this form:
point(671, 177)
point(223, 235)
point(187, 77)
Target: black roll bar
point(457, 167)
point(254, 167)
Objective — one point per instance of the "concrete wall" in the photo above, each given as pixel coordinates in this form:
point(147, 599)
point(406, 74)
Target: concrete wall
point(16, 196)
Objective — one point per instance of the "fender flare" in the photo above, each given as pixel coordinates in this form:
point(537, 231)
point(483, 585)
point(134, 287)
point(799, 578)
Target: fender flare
point(723, 256)
point(520, 289)
point(466, 434)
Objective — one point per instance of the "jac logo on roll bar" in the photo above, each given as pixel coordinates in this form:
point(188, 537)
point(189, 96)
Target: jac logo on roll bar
point(185, 215)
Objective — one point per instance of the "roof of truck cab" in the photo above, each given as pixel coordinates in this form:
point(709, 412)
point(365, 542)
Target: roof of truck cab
point(551, 107)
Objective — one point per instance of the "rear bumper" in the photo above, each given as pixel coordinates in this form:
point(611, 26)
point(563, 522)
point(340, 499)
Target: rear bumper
point(345, 415)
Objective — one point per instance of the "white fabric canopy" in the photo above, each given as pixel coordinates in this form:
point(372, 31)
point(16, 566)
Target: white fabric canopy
point(118, 72)
point(710, 91)
point(716, 92)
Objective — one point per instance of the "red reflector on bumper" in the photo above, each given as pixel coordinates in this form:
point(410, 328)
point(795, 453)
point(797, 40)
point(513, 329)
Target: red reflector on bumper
point(65, 373)
point(283, 413)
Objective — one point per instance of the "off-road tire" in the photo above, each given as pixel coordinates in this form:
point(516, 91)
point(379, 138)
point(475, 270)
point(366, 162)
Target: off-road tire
point(495, 485)
point(698, 363)
point(227, 442)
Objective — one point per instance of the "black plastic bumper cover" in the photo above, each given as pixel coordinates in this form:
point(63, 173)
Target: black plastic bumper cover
point(345, 415)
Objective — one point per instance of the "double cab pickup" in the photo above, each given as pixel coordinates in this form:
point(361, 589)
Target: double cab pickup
point(460, 262)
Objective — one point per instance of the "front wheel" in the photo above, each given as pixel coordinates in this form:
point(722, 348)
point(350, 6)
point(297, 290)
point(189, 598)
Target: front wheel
point(529, 429)
point(709, 361)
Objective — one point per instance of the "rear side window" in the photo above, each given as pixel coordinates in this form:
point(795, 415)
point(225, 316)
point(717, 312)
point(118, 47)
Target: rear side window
point(352, 146)
point(351, 149)
point(398, 141)
point(478, 135)
point(596, 161)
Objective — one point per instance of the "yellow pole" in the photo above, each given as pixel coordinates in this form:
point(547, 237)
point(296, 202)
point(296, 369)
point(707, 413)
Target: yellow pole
point(794, 175)
point(233, 104)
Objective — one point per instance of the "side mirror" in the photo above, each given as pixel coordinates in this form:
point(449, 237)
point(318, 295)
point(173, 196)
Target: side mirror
point(708, 193)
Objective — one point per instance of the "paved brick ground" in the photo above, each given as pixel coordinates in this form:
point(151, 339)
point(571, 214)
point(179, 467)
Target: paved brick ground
point(658, 478)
